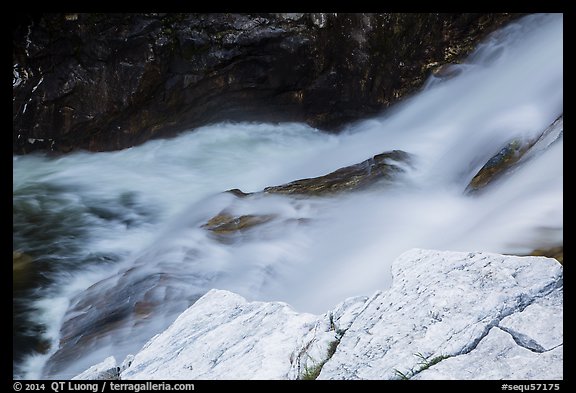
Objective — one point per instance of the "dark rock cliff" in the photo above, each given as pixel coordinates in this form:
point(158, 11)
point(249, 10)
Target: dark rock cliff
point(110, 81)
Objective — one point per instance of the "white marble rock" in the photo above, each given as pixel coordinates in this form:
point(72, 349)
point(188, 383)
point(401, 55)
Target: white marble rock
point(447, 315)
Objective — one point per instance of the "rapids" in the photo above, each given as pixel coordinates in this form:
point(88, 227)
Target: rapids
point(100, 219)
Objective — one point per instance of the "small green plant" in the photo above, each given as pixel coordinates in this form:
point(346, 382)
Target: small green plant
point(424, 363)
point(402, 375)
point(332, 324)
point(312, 372)
point(332, 348)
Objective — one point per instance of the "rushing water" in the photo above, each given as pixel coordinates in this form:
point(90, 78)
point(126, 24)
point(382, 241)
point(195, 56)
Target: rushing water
point(97, 225)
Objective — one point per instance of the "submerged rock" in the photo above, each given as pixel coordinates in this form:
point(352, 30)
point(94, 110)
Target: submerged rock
point(449, 315)
point(109, 81)
point(21, 265)
point(27, 337)
point(109, 311)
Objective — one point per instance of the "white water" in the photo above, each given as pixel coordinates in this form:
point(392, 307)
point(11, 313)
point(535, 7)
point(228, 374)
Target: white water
point(511, 87)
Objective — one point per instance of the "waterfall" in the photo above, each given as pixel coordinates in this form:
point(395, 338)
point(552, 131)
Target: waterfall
point(117, 239)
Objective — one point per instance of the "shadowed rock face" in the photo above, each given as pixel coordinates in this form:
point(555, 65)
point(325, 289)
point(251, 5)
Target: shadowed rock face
point(111, 81)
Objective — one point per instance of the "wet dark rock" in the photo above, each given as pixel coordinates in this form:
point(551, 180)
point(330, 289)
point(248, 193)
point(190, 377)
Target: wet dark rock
point(446, 71)
point(225, 223)
point(239, 193)
point(381, 167)
point(20, 260)
point(21, 269)
point(513, 154)
point(498, 164)
point(110, 81)
point(350, 178)
point(556, 252)
point(27, 336)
